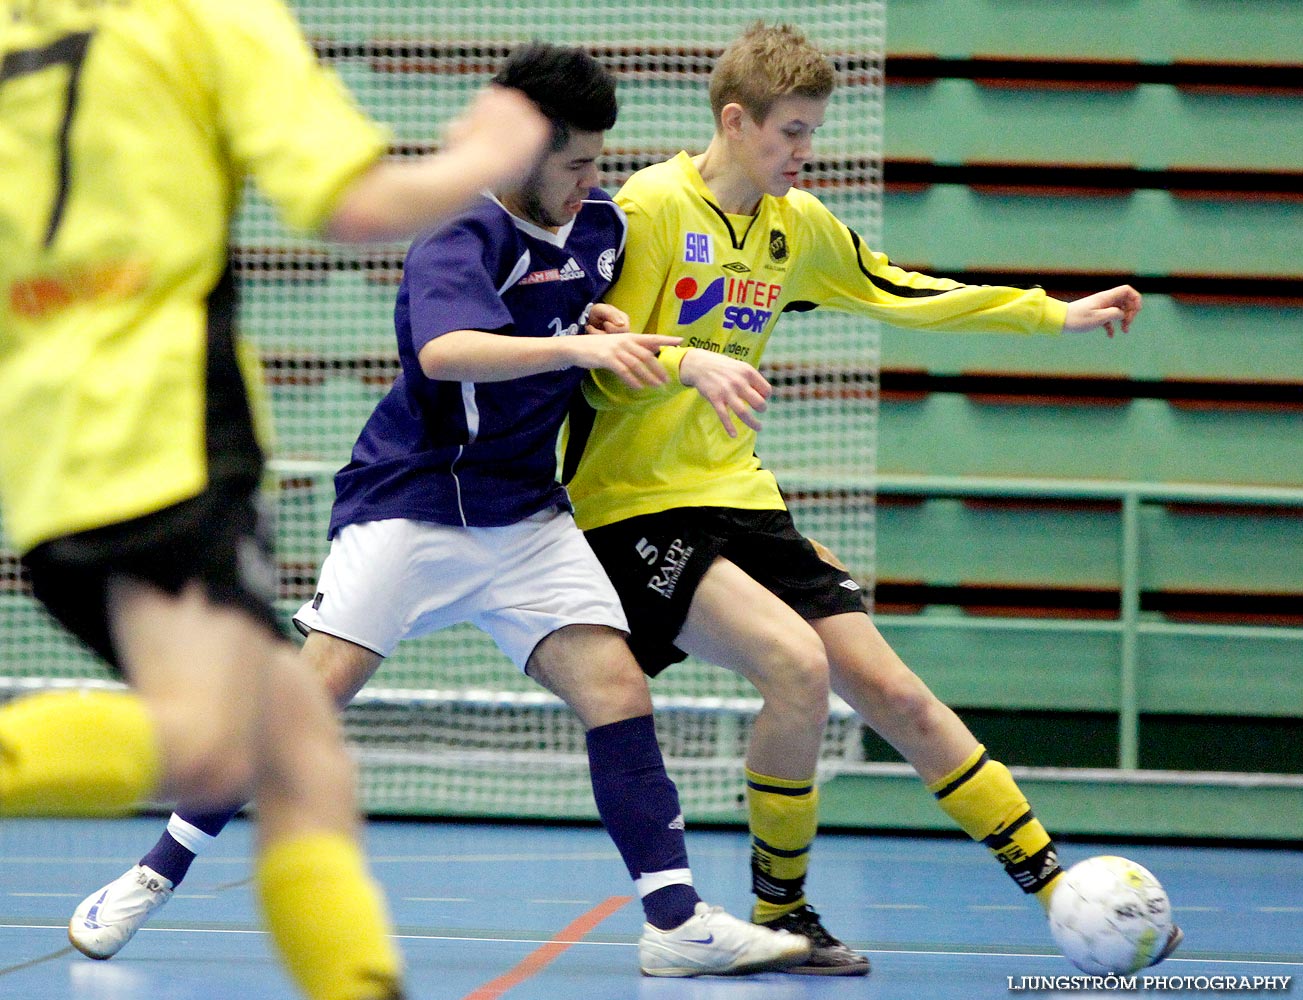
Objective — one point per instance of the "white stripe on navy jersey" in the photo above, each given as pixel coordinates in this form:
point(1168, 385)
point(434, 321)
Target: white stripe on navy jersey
point(519, 271)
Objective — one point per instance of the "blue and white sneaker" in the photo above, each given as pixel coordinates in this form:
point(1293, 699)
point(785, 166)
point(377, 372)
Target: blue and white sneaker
point(109, 917)
point(712, 943)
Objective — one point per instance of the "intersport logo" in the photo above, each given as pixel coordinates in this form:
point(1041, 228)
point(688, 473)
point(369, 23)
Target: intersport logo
point(748, 304)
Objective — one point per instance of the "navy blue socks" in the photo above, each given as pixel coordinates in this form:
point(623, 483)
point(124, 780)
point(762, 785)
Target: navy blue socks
point(639, 806)
point(185, 837)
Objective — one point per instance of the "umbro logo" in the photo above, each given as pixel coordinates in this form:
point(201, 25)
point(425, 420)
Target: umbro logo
point(849, 585)
point(677, 823)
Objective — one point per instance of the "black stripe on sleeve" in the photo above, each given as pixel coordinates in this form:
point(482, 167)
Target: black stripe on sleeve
point(890, 287)
point(229, 439)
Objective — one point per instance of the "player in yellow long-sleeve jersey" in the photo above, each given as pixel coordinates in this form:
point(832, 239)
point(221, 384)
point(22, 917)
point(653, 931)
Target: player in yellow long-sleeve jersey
point(129, 464)
point(691, 528)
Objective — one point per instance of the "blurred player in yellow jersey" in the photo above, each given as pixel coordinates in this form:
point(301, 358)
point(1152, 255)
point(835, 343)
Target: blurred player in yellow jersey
point(691, 527)
point(129, 464)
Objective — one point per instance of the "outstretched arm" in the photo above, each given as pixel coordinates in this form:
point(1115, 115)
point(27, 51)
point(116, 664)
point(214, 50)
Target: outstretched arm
point(1104, 309)
point(480, 356)
point(495, 142)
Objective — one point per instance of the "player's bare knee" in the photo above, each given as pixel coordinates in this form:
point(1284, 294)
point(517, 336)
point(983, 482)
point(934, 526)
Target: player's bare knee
point(208, 746)
point(627, 701)
point(591, 669)
point(909, 700)
point(795, 676)
point(622, 693)
point(341, 667)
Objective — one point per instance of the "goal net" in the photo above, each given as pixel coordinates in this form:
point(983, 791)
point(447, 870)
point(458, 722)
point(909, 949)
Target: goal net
point(448, 726)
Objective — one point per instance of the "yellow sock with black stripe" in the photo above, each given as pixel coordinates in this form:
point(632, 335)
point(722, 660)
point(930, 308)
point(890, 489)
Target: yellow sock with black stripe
point(784, 817)
point(76, 753)
point(328, 918)
point(982, 797)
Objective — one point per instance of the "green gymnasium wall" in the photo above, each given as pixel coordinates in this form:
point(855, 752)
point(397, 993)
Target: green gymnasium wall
point(1092, 547)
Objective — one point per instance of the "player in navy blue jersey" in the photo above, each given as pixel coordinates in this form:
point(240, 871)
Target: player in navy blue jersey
point(450, 511)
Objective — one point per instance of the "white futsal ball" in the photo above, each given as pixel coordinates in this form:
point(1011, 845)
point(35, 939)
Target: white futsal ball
point(1109, 915)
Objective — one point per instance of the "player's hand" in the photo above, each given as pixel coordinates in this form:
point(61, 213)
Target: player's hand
point(631, 356)
point(506, 131)
point(1104, 309)
point(603, 318)
point(732, 387)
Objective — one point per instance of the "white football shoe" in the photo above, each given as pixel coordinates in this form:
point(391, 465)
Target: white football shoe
point(712, 943)
point(109, 917)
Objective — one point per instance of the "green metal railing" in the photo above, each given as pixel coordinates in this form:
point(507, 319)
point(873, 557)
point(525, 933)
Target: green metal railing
point(1129, 626)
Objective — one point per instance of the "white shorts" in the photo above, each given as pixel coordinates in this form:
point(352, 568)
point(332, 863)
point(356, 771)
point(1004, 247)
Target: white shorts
point(385, 581)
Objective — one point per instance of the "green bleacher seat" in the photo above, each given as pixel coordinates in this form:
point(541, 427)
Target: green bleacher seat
point(1148, 232)
point(1151, 126)
point(1154, 30)
point(1145, 440)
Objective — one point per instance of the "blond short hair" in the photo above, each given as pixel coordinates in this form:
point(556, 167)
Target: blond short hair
point(767, 63)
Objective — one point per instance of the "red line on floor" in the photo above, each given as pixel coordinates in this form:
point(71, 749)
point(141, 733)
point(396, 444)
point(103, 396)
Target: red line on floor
point(541, 957)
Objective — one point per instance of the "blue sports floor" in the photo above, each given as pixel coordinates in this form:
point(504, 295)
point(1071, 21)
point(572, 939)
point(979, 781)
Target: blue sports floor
point(487, 911)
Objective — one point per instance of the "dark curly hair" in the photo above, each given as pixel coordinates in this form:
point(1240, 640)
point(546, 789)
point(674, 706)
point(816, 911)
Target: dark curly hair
point(569, 86)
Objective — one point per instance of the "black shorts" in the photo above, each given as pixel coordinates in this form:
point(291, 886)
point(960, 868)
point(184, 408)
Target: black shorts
point(219, 539)
point(656, 561)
